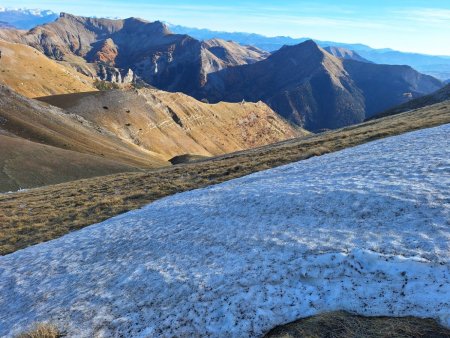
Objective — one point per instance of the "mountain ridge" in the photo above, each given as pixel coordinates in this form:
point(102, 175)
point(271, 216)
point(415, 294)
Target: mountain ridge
point(434, 65)
point(316, 90)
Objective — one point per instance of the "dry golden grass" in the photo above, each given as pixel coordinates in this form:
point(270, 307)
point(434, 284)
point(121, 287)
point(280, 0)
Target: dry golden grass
point(42, 214)
point(344, 325)
point(41, 331)
point(32, 74)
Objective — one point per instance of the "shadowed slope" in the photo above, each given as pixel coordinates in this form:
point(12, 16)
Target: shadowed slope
point(317, 90)
point(26, 164)
point(436, 97)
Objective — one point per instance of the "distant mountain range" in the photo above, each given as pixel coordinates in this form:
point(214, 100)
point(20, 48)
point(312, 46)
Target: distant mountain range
point(437, 66)
point(133, 50)
point(26, 18)
point(304, 83)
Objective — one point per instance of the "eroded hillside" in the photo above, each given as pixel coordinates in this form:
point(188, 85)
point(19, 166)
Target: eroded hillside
point(174, 124)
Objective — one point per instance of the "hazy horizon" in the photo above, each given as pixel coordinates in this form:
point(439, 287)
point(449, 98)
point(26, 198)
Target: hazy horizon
point(416, 26)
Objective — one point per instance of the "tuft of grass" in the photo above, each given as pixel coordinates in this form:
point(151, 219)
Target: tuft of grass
point(41, 330)
point(342, 324)
point(42, 214)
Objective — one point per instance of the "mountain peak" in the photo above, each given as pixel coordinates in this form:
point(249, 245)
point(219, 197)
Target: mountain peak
point(308, 45)
point(308, 49)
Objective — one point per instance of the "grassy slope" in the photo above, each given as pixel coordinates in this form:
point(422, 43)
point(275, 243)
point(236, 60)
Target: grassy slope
point(34, 216)
point(47, 77)
point(137, 129)
point(25, 164)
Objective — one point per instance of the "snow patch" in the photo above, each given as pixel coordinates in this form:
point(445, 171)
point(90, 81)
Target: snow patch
point(364, 230)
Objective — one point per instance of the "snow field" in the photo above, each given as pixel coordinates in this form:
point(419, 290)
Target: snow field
point(366, 229)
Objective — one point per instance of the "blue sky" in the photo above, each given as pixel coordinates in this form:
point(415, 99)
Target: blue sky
point(406, 25)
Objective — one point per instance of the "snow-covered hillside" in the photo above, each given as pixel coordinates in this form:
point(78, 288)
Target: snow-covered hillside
point(365, 229)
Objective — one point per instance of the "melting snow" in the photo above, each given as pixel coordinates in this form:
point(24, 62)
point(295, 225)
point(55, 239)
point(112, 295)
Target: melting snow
point(365, 230)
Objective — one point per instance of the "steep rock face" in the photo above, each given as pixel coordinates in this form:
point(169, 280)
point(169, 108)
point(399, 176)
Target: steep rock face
point(230, 53)
point(217, 54)
point(317, 90)
point(174, 124)
point(107, 53)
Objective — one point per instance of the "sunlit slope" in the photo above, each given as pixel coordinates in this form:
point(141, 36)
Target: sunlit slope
point(32, 74)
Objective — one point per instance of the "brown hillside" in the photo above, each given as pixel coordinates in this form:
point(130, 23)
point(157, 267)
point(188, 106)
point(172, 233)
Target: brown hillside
point(26, 164)
point(32, 74)
point(173, 124)
point(124, 131)
point(39, 122)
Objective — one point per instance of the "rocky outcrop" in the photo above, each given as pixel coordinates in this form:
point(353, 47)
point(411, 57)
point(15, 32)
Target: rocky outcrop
point(115, 75)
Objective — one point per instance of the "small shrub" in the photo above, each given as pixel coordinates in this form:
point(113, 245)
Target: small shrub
point(41, 330)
